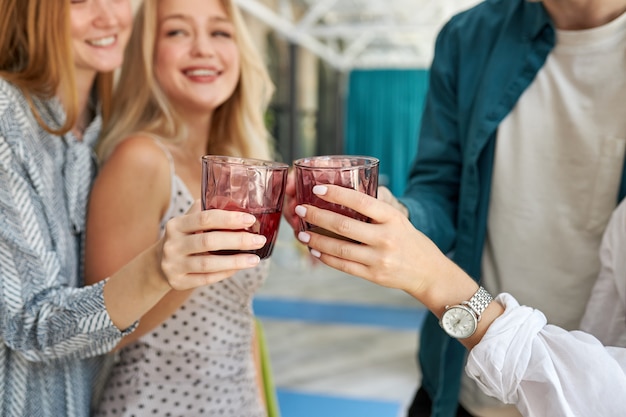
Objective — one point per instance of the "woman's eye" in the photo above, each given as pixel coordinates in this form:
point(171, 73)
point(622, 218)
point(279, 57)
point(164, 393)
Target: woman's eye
point(221, 33)
point(175, 32)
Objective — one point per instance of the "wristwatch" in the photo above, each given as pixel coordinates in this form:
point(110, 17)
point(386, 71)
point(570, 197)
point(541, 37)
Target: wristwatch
point(460, 320)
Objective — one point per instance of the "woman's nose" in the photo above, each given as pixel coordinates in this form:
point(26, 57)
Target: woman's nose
point(105, 13)
point(203, 45)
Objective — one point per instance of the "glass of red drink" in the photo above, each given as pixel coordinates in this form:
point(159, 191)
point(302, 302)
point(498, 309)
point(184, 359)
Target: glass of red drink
point(250, 185)
point(357, 172)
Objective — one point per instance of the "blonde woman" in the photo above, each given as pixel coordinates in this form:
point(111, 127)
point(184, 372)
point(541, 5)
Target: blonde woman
point(55, 77)
point(192, 84)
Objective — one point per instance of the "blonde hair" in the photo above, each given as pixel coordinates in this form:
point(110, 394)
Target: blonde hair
point(141, 106)
point(37, 56)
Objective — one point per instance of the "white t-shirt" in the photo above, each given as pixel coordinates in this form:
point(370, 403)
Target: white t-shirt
point(558, 163)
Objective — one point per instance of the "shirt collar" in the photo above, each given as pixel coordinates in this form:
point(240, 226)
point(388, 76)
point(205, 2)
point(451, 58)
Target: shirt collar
point(536, 19)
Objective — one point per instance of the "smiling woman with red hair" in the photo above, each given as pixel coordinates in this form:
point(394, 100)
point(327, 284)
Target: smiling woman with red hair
point(55, 66)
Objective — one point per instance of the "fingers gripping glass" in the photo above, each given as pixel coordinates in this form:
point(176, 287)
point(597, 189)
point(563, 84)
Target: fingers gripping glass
point(249, 185)
point(356, 172)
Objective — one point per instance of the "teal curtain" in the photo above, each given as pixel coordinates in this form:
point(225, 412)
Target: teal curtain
point(383, 114)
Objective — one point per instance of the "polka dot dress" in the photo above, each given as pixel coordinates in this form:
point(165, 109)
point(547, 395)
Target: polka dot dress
point(199, 362)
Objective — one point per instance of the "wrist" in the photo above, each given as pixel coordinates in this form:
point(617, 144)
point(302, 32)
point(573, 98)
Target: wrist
point(135, 289)
point(157, 278)
point(460, 320)
point(448, 285)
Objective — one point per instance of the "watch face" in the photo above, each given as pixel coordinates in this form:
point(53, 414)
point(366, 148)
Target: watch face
point(459, 322)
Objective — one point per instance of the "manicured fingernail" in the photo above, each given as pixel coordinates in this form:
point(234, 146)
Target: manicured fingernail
point(315, 253)
point(300, 211)
point(248, 218)
point(320, 190)
point(253, 260)
point(259, 239)
point(304, 237)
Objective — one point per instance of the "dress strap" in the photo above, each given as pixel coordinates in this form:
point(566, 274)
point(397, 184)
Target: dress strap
point(173, 184)
point(168, 154)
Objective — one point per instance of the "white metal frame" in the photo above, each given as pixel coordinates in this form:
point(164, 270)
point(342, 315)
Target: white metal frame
point(360, 33)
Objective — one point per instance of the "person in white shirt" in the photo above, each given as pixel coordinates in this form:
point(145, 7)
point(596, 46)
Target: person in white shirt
point(515, 356)
point(605, 316)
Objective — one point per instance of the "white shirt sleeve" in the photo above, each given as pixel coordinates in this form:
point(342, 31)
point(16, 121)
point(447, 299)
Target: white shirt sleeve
point(545, 370)
point(605, 316)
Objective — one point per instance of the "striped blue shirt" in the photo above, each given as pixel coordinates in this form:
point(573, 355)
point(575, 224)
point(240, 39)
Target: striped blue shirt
point(51, 330)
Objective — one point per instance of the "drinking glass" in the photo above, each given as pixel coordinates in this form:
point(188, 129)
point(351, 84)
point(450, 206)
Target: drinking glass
point(357, 172)
point(249, 185)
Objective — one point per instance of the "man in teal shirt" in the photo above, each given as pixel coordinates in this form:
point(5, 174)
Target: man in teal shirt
point(491, 63)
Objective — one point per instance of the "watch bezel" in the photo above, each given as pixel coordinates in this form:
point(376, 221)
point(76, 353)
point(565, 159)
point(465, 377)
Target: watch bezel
point(467, 310)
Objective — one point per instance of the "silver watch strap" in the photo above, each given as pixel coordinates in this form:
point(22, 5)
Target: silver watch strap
point(479, 301)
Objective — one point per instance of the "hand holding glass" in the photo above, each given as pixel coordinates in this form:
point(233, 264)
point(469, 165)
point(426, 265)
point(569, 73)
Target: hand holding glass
point(249, 185)
point(357, 172)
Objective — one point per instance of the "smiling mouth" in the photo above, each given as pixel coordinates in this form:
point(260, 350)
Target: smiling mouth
point(202, 73)
point(101, 42)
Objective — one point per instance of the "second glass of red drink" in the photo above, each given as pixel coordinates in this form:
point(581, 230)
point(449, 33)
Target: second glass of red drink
point(357, 172)
point(250, 185)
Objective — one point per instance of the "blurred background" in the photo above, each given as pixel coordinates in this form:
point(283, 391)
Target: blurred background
point(350, 74)
point(350, 78)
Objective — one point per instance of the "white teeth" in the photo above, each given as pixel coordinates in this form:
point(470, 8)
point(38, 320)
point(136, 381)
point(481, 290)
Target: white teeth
point(201, 73)
point(102, 41)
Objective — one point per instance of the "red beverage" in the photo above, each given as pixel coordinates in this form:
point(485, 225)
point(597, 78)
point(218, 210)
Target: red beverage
point(318, 202)
point(357, 172)
point(267, 224)
point(248, 185)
